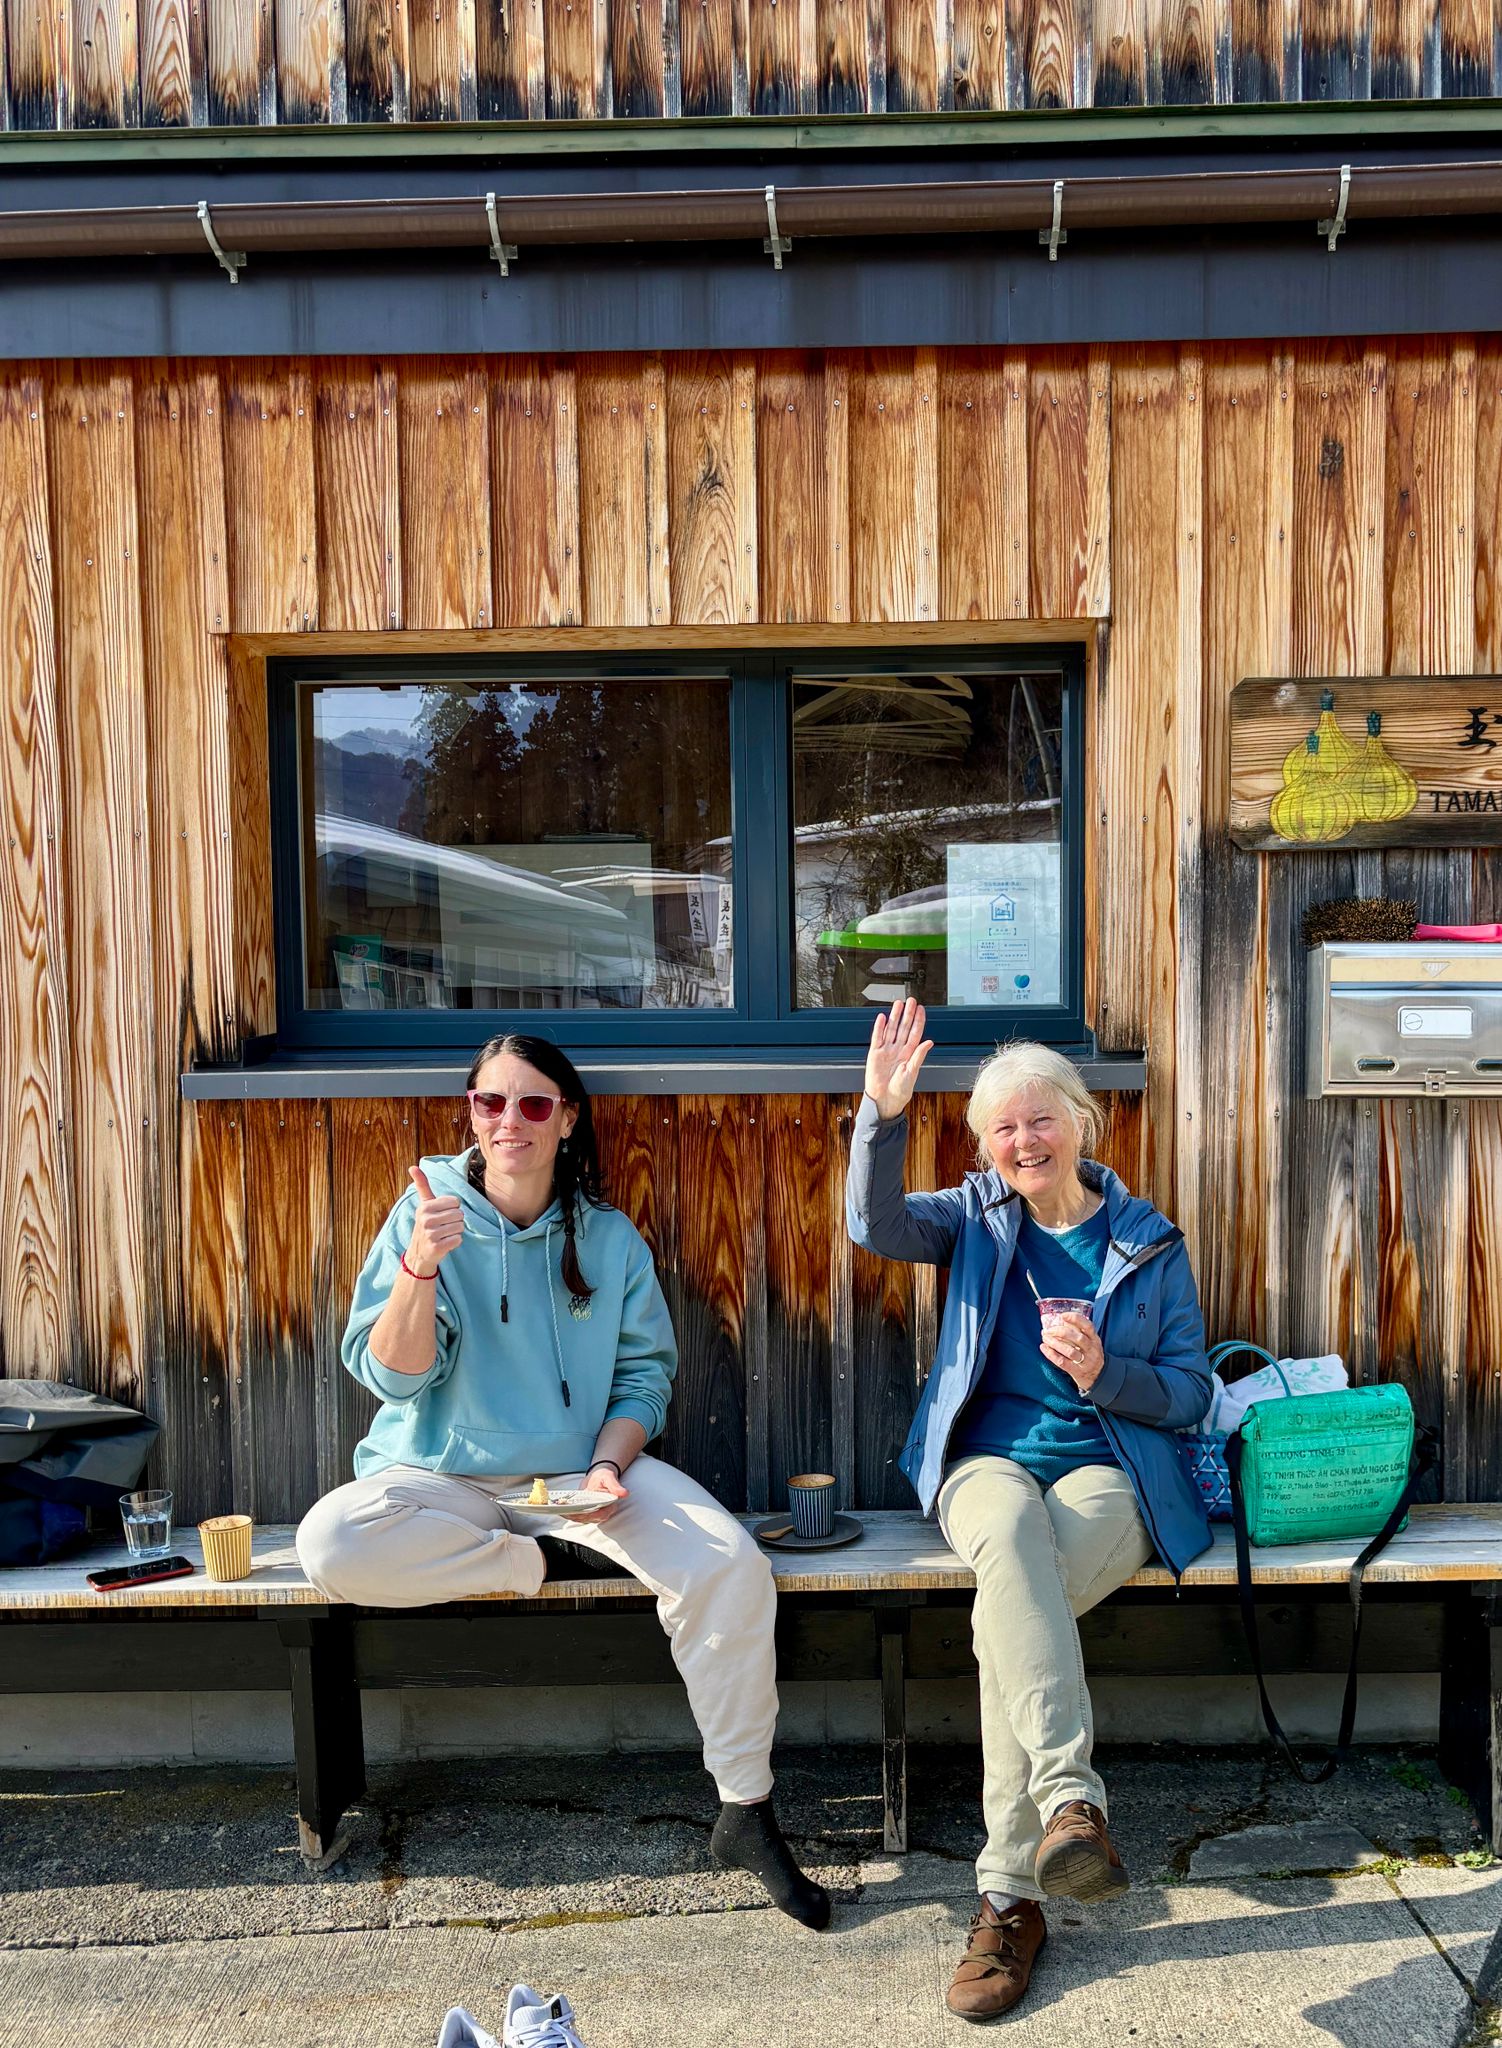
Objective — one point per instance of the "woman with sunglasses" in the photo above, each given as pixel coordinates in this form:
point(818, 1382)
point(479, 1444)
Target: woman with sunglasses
point(510, 1322)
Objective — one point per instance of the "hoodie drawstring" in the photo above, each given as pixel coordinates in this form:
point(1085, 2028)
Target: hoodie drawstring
point(547, 1254)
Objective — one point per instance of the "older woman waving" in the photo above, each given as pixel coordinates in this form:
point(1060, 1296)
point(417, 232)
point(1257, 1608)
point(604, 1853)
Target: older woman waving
point(1045, 1444)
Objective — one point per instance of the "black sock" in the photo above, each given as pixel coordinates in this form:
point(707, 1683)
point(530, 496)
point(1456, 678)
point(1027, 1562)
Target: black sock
point(567, 1560)
point(748, 1838)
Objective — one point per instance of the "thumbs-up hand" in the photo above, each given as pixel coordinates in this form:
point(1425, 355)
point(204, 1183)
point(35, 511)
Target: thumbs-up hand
point(436, 1229)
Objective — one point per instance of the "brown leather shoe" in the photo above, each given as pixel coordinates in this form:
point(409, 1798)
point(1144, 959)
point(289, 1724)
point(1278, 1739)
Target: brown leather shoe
point(1075, 1856)
point(997, 1965)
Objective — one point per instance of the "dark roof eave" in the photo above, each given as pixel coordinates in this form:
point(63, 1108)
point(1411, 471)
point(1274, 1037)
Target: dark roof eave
point(922, 134)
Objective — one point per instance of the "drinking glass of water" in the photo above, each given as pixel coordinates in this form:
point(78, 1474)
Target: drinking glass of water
point(148, 1523)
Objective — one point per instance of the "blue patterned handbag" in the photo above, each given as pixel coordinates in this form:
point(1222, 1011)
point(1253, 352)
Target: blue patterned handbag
point(1204, 1450)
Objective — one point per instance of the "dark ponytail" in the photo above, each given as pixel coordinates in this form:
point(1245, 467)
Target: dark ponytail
point(577, 1176)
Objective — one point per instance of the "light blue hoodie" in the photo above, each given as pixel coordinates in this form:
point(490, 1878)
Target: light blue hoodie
point(527, 1395)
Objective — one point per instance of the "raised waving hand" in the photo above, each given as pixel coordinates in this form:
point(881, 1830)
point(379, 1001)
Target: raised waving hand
point(896, 1055)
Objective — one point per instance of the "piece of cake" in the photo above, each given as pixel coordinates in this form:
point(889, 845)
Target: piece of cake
point(538, 1497)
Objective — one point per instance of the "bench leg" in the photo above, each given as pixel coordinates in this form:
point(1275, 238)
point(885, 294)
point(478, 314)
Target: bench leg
point(1470, 1705)
point(892, 1624)
point(328, 1738)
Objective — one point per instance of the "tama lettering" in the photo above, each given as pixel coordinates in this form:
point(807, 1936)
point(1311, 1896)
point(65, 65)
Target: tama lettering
point(1444, 801)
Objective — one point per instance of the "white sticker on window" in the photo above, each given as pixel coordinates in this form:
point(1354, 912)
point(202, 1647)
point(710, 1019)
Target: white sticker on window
point(1003, 904)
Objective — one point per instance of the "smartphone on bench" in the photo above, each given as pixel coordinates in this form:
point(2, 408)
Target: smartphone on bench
point(116, 1577)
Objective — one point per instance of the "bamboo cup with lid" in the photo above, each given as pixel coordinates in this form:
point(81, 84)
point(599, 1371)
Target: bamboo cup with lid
point(226, 1546)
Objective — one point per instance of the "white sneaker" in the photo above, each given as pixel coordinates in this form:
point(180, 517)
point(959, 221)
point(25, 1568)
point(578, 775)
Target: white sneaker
point(533, 2022)
point(461, 2029)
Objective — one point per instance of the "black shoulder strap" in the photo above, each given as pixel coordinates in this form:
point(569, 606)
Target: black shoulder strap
point(1424, 1451)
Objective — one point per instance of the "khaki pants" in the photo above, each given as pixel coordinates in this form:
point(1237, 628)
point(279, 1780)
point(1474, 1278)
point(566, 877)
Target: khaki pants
point(407, 1537)
point(1040, 1558)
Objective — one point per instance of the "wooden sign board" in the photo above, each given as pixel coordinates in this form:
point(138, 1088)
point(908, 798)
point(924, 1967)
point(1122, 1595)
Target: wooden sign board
point(1366, 761)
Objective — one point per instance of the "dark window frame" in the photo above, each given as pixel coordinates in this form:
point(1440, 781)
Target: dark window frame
point(761, 767)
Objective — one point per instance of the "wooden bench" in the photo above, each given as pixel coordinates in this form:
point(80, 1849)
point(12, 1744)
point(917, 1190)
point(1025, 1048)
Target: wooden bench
point(1435, 1600)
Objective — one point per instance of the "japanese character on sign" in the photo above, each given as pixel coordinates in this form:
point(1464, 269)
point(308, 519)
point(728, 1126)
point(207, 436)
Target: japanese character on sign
point(1475, 733)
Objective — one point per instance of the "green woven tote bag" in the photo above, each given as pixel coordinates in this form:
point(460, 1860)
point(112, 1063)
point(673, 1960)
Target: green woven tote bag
point(1325, 1466)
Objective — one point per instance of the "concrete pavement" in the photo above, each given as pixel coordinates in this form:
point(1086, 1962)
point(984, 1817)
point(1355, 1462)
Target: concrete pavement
point(152, 1909)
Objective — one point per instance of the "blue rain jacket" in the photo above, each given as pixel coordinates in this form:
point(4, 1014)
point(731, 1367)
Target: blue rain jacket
point(1156, 1377)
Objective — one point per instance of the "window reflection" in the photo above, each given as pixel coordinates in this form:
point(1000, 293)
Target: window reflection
point(926, 839)
point(540, 844)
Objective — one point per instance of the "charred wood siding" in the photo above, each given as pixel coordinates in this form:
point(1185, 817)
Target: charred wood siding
point(191, 63)
point(1205, 515)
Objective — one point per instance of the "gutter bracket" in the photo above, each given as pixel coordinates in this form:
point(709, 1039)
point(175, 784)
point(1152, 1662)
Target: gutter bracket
point(776, 246)
point(1058, 233)
point(230, 260)
point(1333, 228)
point(505, 253)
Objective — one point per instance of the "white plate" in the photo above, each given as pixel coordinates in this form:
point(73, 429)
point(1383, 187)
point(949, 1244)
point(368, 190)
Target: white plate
point(562, 1500)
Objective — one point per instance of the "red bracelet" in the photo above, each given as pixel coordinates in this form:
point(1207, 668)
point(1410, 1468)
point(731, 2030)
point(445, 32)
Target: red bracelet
point(415, 1274)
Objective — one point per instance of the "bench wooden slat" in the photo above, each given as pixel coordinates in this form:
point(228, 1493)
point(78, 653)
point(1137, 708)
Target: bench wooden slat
point(899, 1552)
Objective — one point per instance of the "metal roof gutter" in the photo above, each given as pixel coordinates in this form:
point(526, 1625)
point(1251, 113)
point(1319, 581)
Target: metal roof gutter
point(1051, 208)
point(1083, 129)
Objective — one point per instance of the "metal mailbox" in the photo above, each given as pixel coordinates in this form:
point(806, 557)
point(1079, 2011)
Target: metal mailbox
point(1413, 1019)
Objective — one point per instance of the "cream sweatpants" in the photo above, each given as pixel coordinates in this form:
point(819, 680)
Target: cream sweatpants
point(1040, 1557)
point(407, 1537)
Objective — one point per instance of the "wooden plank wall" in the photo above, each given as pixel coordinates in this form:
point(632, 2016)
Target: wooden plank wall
point(228, 63)
point(1203, 514)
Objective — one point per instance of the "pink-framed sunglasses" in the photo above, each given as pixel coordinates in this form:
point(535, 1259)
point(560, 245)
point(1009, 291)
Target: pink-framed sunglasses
point(488, 1108)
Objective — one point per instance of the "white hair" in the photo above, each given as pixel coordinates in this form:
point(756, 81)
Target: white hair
point(1023, 1068)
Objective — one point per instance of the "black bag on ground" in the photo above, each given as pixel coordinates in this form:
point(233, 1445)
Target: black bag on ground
point(63, 1451)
